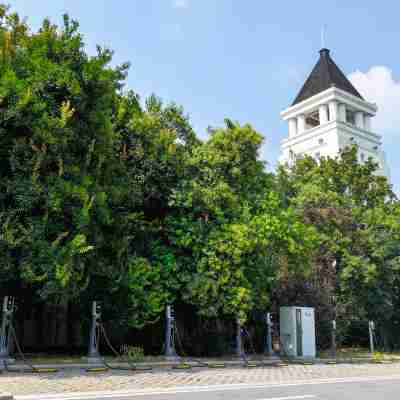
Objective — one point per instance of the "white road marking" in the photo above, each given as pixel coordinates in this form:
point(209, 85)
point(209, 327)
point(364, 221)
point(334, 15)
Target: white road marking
point(306, 396)
point(205, 388)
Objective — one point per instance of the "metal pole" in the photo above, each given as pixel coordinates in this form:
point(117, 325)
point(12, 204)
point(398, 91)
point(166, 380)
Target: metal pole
point(239, 343)
point(333, 348)
point(371, 327)
point(170, 352)
point(268, 344)
point(94, 354)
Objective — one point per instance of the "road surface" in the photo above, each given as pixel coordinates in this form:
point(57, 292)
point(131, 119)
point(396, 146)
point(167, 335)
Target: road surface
point(362, 389)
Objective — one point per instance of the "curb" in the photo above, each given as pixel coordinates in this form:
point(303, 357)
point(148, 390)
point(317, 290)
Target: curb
point(157, 365)
point(16, 367)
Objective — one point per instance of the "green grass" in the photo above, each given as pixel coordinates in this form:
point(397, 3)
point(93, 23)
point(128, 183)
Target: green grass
point(65, 359)
point(357, 352)
point(43, 359)
point(341, 354)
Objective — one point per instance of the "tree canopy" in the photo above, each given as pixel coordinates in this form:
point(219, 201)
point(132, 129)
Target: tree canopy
point(356, 216)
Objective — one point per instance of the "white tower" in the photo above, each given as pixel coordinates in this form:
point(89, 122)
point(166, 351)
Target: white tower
point(328, 115)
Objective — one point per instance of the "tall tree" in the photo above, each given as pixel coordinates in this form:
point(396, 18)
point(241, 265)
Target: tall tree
point(355, 214)
point(154, 143)
point(228, 231)
point(57, 150)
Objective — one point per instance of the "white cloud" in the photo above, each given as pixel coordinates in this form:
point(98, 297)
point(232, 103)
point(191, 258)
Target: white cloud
point(180, 3)
point(378, 85)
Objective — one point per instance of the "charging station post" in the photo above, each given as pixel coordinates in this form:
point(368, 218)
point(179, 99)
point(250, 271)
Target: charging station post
point(94, 353)
point(239, 341)
point(5, 333)
point(268, 342)
point(170, 352)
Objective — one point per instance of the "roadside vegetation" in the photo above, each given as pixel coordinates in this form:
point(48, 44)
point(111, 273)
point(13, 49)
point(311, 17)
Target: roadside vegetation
point(105, 195)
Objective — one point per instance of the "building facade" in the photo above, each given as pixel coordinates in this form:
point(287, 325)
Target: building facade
point(328, 115)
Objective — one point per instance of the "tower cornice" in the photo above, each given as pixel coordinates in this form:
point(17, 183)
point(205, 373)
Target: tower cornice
point(332, 94)
point(310, 134)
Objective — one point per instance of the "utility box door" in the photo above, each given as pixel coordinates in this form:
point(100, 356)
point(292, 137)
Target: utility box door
point(297, 331)
point(287, 332)
point(308, 324)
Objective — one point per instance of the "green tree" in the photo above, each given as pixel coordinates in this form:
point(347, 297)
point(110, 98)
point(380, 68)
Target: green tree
point(228, 231)
point(355, 214)
point(57, 151)
point(154, 143)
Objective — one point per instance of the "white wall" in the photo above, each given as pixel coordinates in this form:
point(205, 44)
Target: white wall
point(335, 136)
point(309, 143)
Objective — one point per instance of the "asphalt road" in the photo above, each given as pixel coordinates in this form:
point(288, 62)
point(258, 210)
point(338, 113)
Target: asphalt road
point(366, 389)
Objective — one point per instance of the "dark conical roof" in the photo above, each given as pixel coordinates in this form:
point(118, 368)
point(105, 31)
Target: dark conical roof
point(325, 75)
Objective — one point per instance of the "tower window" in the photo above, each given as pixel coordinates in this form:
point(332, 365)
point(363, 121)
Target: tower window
point(350, 117)
point(312, 120)
point(362, 156)
point(317, 155)
point(321, 141)
point(299, 156)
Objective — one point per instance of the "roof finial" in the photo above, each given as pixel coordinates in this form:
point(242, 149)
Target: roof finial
point(323, 31)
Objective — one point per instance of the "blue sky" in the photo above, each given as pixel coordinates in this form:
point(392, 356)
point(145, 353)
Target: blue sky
point(243, 59)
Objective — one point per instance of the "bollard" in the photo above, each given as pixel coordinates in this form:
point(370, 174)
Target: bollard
point(93, 353)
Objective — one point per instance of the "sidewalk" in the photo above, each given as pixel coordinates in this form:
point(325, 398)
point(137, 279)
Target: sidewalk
point(75, 380)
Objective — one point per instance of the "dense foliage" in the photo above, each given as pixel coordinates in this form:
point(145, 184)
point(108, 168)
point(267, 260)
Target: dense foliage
point(355, 274)
point(103, 195)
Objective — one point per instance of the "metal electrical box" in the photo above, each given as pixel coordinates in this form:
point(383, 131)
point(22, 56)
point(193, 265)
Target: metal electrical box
point(297, 331)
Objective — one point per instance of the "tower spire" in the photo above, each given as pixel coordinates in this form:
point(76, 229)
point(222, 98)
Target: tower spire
point(324, 75)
